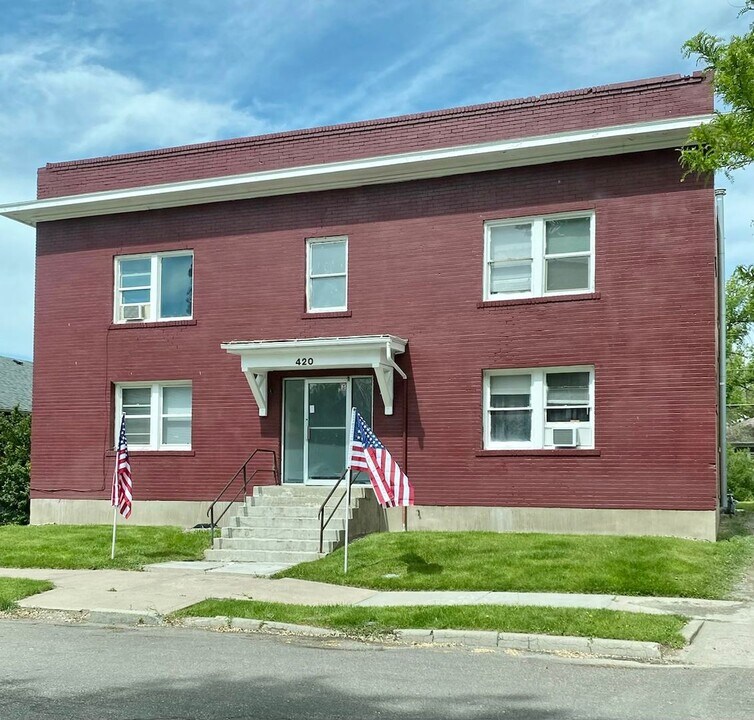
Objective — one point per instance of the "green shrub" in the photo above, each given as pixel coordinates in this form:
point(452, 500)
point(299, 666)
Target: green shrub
point(15, 464)
point(741, 474)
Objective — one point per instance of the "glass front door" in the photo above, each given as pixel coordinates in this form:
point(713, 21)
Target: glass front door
point(325, 410)
point(316, 422)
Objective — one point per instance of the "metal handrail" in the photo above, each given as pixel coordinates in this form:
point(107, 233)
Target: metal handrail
point(243, 489)
point(321, 515)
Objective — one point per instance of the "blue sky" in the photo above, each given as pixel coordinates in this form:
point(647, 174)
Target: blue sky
point(80, 78)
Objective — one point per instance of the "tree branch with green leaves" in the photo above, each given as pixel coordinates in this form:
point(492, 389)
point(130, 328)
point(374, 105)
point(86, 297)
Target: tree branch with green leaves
point(727, 142)
point(740, 343)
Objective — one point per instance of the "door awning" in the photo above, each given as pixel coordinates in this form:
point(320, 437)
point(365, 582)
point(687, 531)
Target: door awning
point(260, 357)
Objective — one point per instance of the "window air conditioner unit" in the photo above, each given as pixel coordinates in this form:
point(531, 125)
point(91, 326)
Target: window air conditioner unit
point(565, 437)
point(135, 312)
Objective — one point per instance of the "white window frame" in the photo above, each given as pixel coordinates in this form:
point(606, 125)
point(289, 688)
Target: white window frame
point(309, 277)
point(155, 274)
point(537, 402)
point(156, 414)
point(538, 255)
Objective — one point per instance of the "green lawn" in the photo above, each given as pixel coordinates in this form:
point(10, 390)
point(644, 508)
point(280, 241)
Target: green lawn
point(372, 621)
point(747, 505)
point(13, 589)
point(87, 547)
point(536, 563)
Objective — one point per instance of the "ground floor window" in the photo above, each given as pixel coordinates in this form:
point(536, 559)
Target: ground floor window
point(316, 423)
point(158, 415)
point(539, 408)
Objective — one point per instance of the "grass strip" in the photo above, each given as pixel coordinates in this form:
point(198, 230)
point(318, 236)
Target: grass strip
point(87, 547)
point(14, 589)
point(530, 562)
point(372, 621)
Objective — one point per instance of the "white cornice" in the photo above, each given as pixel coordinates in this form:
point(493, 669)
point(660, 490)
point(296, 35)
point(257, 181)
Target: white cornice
point(239, 347)
point(534, 150)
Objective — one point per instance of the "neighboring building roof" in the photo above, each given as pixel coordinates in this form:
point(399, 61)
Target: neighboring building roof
point(15, 384)
point(741, 432)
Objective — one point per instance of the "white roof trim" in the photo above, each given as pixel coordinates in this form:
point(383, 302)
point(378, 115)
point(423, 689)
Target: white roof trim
point(366, 171)
point(260, 357)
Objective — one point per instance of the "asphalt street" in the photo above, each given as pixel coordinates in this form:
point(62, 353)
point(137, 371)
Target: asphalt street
point(89, 672)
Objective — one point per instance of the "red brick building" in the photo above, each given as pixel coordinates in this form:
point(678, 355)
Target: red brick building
point(535, 268)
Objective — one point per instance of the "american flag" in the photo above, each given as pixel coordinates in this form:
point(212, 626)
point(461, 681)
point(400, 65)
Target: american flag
point(391, 486)
point(121, 492)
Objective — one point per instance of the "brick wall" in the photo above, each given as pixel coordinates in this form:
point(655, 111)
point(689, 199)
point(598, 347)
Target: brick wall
point(639, 101)
point(650, 334)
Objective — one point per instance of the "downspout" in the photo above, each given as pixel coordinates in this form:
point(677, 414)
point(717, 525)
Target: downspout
point(722, 433)
point(405, 443)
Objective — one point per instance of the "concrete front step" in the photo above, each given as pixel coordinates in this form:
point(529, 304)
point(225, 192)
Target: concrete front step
point(280, 524)
point(301, 524)
point(291, 501)
point(273, 531)
point(289, 511)
point(262, 556)
point(307, 491)
point(270, 544)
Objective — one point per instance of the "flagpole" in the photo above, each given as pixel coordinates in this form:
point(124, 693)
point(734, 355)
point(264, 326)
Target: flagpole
point(115, 524)
point(115, 500)
point(114, 491)
point(348, 491)
point(348, 512)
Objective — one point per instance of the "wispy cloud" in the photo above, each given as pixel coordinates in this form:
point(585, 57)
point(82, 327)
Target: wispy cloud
point(69, 103)
point(65, 103)
point(594, 41)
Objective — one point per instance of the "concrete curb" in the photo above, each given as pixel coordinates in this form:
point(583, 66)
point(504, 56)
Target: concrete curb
point(225, 623)
point(563, 645)
point(122, 617)
point(596, 647)
point(691, 629)
point(96, 616)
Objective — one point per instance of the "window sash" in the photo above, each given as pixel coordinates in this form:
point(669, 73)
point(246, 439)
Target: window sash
point(538, 406)
point(539, 257)
point(155, 287)
point(311, 276)
point(156, 417)
point(513, 413)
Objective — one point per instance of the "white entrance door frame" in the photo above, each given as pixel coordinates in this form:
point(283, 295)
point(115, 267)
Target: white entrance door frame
point(308, 382)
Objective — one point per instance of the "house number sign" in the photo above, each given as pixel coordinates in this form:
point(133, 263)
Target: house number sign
point(305, 361)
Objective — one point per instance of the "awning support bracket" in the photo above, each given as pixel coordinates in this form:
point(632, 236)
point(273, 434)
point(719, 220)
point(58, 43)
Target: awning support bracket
point(258, 385)
point(384, 375)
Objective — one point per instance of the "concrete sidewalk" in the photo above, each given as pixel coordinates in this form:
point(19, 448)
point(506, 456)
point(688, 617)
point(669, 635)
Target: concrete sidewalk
point(725, 638)
point(164, 590)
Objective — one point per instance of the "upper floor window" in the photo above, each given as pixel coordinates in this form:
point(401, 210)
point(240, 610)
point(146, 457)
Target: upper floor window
point(532, 257)
point(149, 288)
point(539, 408)
point(158, 415)
point(326, 274)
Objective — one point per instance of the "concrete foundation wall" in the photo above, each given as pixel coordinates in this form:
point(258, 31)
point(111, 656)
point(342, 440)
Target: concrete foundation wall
point(694, 524)
point(100, 512)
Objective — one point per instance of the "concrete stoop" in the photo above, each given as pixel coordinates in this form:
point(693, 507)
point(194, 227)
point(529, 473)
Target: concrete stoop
point(280, 525)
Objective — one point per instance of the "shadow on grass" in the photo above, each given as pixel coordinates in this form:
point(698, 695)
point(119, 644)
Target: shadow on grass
point(417, 564)
point(739, 525)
